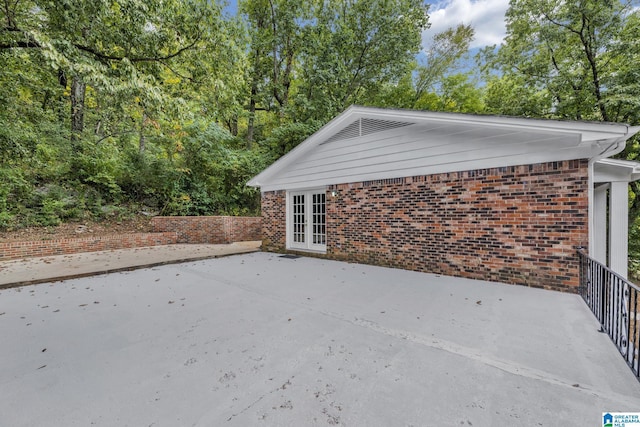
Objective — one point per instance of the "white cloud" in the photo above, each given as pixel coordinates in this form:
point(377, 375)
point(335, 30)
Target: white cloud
point(486, 17)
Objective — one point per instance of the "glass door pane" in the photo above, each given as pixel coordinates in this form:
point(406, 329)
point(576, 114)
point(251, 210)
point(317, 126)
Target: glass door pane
point(307, 223)
point(299, 220)
point(318, 219)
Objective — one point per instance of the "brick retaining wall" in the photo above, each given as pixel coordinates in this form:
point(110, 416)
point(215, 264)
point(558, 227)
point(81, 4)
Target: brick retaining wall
point(210, 229)
point(17, 250)
point(167, 230)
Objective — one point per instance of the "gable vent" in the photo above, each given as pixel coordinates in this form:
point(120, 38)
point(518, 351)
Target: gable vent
point(366, 126)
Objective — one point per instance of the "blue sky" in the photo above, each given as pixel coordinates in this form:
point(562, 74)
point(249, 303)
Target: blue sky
point(486, 17)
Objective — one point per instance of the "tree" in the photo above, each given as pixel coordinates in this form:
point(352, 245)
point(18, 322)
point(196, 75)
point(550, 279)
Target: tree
point(275, 28)
point(356, 47)
point(443, 53)
point(432, 82)
point(578, 58)
point(116, 47)
point(96, 96)
point(622, 83)
point(566, 48)
point(510, 95)
point(456, 93)
point(308, 61)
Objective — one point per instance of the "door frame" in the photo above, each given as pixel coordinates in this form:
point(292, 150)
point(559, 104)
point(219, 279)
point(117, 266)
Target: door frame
point(308, 245)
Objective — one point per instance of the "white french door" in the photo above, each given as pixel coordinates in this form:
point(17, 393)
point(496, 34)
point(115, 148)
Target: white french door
point(306, 227)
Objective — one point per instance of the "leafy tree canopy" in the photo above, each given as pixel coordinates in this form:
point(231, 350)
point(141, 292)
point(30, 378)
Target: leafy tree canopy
point(169, 105)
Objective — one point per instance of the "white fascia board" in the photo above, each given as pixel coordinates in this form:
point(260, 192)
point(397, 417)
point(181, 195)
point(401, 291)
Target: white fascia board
point(517, 160)
point(626, 164)
point(614, 170)
point(590, 131)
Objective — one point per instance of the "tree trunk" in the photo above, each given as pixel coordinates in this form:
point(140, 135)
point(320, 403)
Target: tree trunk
point(142, 140)
point(250, 125)
point(62, 78)
point(589, 50)
point(252, 113)
point(233, 125)
point(78, 89)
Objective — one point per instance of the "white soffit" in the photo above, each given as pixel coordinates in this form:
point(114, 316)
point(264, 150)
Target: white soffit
point(366, 143)
point(614, 170)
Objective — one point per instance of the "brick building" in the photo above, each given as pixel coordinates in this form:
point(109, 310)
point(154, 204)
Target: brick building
point(484, 197)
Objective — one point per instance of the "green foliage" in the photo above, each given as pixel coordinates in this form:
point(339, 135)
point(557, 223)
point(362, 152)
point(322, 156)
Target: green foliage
point(354, 47)
point(146, 177)
point(211, 175)
point(286, 137)
point(622, 99)
point(55, 204)
point(99, 168)
point(13, 187)
point(23, 204)
point(570, 50)
point(442, 56)
point(311, 60)
point(167, 105)
point(509, 95)
point(434, 83)
point(573, 60)
point(106, 104)
point(456, 94)
point(634, 270)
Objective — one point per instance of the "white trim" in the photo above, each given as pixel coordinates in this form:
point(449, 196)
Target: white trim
point(591, 225)
point(576, 140)
point(457, 151)
point(613, 149)
point(600, 220)
point(387, 173)
point(618, 227)
point(612, 170)
point(308, 245)
point(287, 233)
point(290, 227)
point(335, 125)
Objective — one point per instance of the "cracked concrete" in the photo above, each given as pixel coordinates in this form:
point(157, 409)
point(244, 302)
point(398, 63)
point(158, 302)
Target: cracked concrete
point(258, 340)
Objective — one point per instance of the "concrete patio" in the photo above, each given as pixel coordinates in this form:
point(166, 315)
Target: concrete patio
point(33, 270)
point(257, 339)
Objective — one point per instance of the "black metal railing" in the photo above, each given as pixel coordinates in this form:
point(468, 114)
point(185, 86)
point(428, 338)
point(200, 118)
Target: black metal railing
point(616, 304)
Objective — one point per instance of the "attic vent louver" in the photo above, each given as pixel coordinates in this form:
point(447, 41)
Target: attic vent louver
point(366, 126)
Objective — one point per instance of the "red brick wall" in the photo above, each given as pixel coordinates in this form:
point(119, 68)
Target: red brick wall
point(167, 230)
point(210, 229)
point(17, 250)
point(274, 221)
point(516, 225)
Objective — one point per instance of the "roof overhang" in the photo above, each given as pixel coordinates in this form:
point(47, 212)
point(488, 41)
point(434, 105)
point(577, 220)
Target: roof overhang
point(520, 141)
point(614, 170)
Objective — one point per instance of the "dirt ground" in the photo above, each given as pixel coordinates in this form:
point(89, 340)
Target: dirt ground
point(137, 224)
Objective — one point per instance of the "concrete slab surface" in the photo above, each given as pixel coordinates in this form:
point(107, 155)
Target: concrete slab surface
point(59, 267)
point(260, 340)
